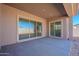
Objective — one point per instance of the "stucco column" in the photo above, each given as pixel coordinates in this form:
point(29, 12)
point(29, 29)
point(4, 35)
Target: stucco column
point(64, 28)
point(70, 28)
point(47, 28)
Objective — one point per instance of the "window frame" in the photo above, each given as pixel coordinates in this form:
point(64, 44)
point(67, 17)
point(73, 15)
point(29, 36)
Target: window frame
point(28, 18)
point(55, 20)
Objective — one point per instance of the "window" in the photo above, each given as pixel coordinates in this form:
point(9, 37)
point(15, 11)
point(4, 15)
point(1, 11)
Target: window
point(39, 28)
point(32, 29)
point(29, 29)
point(55, 29)
point(23, 28)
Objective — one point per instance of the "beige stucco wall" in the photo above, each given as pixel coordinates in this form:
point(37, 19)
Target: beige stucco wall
point(64, 20)
point(0, 25)
point(9, 15)
point(68, 28)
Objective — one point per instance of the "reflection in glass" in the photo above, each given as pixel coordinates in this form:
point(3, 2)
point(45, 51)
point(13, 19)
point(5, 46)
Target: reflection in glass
point(23, 25)
point(32, 29)
point(55, 29)
point(28, 29)
point(58, 29)
point(39, 29)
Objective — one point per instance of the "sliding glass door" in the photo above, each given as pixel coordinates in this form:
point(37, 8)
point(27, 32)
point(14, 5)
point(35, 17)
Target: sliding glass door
point(29, 29)
point(23, 25)
point(39, 28)
point(32, 29)
point(55, 29)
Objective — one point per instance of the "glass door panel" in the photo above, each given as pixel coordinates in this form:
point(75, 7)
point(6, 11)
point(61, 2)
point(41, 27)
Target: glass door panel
point(28, 29)
point(32, 29)
point(23, 28)
point(55, 29)
point(39, 28)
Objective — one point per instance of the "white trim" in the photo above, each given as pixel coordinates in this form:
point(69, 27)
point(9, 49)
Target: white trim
point(28, 39)
point(61, 29)
point(49, 28)
point(34, 38)
point(17, 28)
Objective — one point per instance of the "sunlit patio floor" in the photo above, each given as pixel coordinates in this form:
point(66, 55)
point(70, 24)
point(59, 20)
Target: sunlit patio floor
point(40, 47)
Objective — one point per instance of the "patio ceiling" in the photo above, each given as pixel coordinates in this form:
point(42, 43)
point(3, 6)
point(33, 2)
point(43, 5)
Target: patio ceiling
point(44, 10)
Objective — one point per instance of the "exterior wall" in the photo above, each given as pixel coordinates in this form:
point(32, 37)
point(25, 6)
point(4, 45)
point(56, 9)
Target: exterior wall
point(9, 15)
point(9, 24)
point(0, 26)
point(70, 28)
point(65, 28)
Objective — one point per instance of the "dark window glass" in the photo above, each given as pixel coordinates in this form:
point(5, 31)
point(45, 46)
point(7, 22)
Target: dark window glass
point(55, 29)
point(39, 28)
point(58, 29)
point(32, 29)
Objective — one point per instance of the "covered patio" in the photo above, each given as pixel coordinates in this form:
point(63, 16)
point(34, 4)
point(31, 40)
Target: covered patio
point(40, 47)
point(37, 29)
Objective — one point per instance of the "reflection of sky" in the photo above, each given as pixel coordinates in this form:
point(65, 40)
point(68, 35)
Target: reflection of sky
point(24, 27)
point(24, 24)
point(76, 19)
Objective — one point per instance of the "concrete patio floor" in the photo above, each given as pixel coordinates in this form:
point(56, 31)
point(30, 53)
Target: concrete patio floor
point(40, 47)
